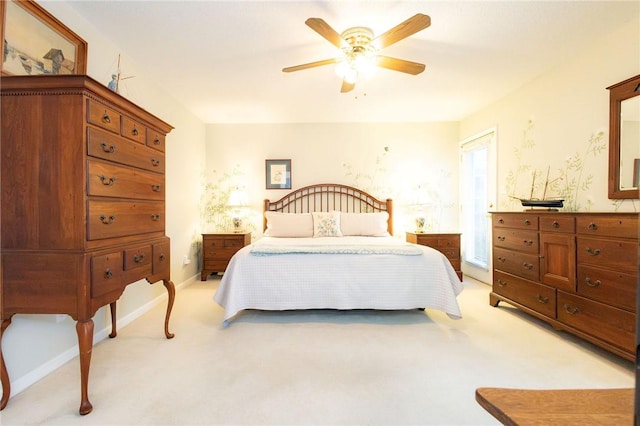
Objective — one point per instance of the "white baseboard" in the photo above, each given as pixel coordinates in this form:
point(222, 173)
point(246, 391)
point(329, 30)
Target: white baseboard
point(53, 364)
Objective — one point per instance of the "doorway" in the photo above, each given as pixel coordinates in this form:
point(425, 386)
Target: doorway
point(478, 181)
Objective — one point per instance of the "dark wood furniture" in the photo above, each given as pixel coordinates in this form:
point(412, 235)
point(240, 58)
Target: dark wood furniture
point(83, 204)
point(217, 250)
point(448, 244)
point(585, 407)
point(576, 271)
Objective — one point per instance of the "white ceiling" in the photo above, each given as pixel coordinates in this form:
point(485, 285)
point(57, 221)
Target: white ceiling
point(223, 59)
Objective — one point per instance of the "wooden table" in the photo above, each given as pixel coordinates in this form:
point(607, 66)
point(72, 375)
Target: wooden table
point(558, 407)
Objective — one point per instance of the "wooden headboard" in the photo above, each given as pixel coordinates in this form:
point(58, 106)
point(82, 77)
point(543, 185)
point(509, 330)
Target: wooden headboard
point(326, 197)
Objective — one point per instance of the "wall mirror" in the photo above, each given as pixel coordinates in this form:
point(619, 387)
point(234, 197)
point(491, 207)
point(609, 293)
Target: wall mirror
point(624, 139)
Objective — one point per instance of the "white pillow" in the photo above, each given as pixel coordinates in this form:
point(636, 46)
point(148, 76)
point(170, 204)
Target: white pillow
point(326, 224)
point(289, 224)
point(364, 224)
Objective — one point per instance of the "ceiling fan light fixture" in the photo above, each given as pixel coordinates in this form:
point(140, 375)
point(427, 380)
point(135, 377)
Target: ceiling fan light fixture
point(358, 49)
point(346, 71)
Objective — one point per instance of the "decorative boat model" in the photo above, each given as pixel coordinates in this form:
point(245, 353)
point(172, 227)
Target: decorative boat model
point(552, 203)
point(547, 203)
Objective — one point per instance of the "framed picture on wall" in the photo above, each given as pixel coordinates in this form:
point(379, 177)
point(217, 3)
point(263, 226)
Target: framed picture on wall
point(34, 42)
point(278, 174)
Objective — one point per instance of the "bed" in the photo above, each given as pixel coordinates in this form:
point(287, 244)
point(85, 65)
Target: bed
point(330, 246)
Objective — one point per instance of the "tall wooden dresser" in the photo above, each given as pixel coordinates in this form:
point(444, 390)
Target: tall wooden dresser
point(577, 271)
point(83, 204)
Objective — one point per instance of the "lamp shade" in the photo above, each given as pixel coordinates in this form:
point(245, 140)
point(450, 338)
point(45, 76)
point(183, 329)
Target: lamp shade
point(237, 198)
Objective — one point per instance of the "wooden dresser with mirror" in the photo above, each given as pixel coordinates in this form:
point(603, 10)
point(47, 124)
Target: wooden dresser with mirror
point(83, 204)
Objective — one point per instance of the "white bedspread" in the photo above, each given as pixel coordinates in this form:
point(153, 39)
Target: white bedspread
point(338, 281)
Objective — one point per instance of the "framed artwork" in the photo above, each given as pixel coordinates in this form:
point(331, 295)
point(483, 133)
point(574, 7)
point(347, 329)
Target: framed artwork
point(278, 174)
point(34, 42)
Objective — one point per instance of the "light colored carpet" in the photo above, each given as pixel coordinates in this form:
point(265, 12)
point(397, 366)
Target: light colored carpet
point(315, 367)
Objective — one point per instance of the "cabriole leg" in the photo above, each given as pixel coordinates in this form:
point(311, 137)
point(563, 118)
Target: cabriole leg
point(113, 333)
point(85, 342)
point(4, 375)
point(172, 295)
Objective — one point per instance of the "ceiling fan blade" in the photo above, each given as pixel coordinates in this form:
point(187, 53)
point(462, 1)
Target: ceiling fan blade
point(310, 65)
point(401, 65)
point(321, 27)
point(411, 26)
point(346, 86)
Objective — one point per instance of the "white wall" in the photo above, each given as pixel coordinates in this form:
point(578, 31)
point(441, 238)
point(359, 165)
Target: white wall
point(34, 345)
point(557, 114)
point(416, 155)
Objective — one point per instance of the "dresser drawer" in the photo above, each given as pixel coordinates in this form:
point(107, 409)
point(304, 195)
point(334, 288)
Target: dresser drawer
point(521, 264)
point(516, 239)
point(610, 324)
point(216, 265)
point(612, 254)
point(133, 130)
point(221, 243)
point(106, 273)
point(137, 257)
point(220, 253)
point(557, 223)
point(538, 297)
point(520, 221)
point(110, 180)
point(608, 226)
point(101, 144)
point(155, 140)
point(451, 253)
point(161, 258)
point(607, 286)
point(108, 219)
point(103, 116)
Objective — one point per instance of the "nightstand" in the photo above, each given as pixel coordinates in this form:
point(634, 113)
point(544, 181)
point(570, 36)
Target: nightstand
point(448, 244)
point(217, 250)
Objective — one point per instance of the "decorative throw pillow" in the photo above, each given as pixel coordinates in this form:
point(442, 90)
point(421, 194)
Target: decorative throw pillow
point(326, 224)
point(364, 224)
point(291, 225)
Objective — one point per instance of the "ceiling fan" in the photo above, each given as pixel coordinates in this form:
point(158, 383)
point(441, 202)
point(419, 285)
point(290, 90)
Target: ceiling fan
point(359, 49)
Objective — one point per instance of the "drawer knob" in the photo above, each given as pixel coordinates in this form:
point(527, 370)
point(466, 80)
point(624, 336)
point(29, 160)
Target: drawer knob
point(555, 224)
point(155, 217)
point(501, 282)
point(501, 238)
point(156, 141)
point(528, 242)
point(528, 266)
point(501, 259)
point(139, 258)
point(592, 226)
point(592, 252)
point(501, 221)
point(107, 220)
point(154, 162)
point(108, 274)
point(155, 188)
point(541, 299)
point(105, 148)
point(162, 256)
point(106, 118)
point(107, 181)
point(527, 222)
point(134, 131)
point(595, 283)
point(568, 309)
